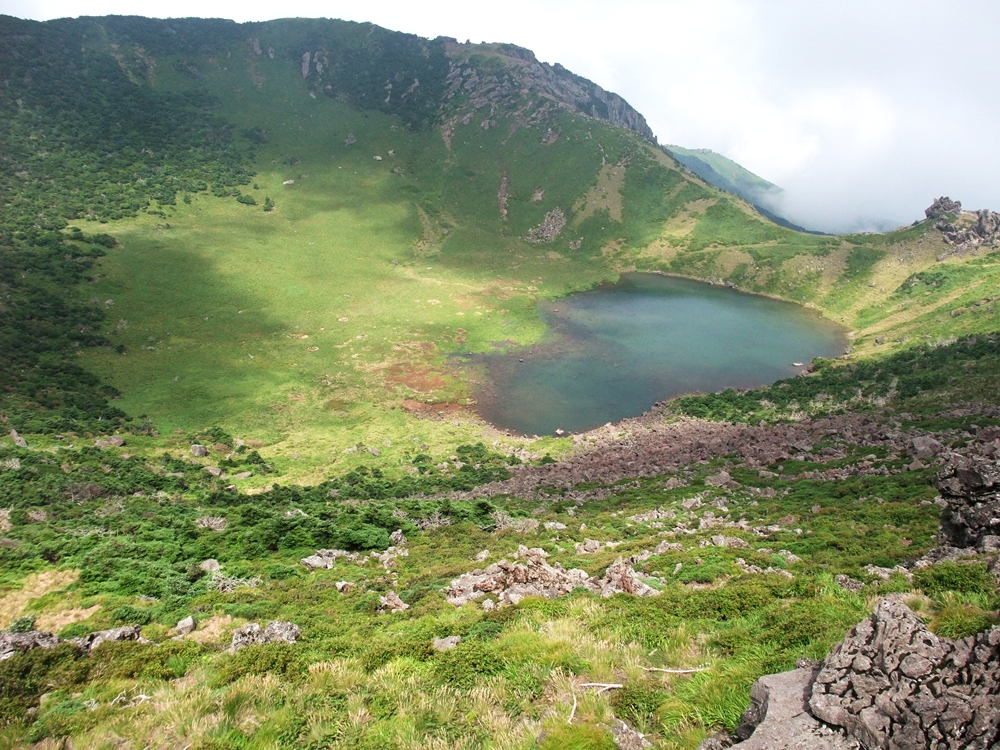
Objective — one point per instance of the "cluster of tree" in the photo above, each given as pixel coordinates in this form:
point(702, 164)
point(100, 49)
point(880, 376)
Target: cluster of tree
point(80, 139)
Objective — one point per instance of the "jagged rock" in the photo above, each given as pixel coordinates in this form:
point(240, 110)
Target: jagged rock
point(250, 634)
point(276, 631)
point(199, 450)
point(317, 562)
point(93, 640)
point(397, 538)
point(211, 565)
point(731, 542)
point(13, 643)
point(554, 526)
point(550, 228)
point(587, 546)
point(215, 523)
point(893, 684)
point(19, 441)
point(392, 603)
point(718, 480)
point(849, 584)
point(446, 644)
point(255, 46)
point(942, 206)
point(665, 546)
point(215, 471)
point(971, 488)
point(778, 718)
point(925, 446)
point(511, 582)
point(621, 578)
point(116, 440)
point(886, 573)
point(627, 738)
point(281, 632)
point(344, 586)
point(185, 626)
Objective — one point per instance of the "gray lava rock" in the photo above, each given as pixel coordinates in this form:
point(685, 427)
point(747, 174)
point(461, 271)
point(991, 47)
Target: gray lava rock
point(13, 643)
point(251, 634)
point(893, 684)
point(942, 206)
point(185, 626)
point(199, 450)
point(971, 488)
point(392, 603)
point(778, 718)
point(925, 447)
point(95, 639)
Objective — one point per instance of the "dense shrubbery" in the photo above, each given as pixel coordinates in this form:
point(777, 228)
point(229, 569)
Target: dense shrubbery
point(866, 384)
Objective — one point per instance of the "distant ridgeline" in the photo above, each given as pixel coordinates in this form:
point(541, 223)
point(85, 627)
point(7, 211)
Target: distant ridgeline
point(85, 135)
point(725, 174)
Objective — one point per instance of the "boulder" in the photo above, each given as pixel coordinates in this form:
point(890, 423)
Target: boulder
point(392, 603)
point(942, 206)
point(512, 581)
point(925, 446)
point(95, 639)
point(252, 634)
point(849, 584)
point(211, 565)
point(13, 643)
point(397, 538)
point(971, 489)
point(185, 626)
point(621, 578)
point(447, 644)
point(778, 718)
point(718, 480)
point(627, 738)
point(19, 441)
point(199, 450)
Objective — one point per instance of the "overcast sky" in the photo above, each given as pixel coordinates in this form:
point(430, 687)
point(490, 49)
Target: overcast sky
point(861, 110)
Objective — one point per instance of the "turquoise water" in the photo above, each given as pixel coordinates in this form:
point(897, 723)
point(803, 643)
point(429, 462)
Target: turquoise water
point(616, 350)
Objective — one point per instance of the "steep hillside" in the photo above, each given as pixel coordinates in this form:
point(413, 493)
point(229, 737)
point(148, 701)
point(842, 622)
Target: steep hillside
point(436, 189)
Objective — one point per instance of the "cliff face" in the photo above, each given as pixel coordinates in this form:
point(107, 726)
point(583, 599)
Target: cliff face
point(484, 68)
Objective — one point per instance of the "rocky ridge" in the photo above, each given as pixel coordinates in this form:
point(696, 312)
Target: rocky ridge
point(522, 72)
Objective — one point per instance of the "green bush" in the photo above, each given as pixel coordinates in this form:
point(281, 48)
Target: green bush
point(463, 665)
point(281, 659)
point(25, 677)
point(23, 624)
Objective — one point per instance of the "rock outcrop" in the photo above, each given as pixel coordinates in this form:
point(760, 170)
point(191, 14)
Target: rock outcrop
point(522, 71)
point(893, 684)
point(275, 632)
point(13, 643)
point(971, 488)
point(778, 718)
point(941, 207)
point(510, 582)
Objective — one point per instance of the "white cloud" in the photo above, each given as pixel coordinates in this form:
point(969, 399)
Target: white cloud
point(859, 110)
